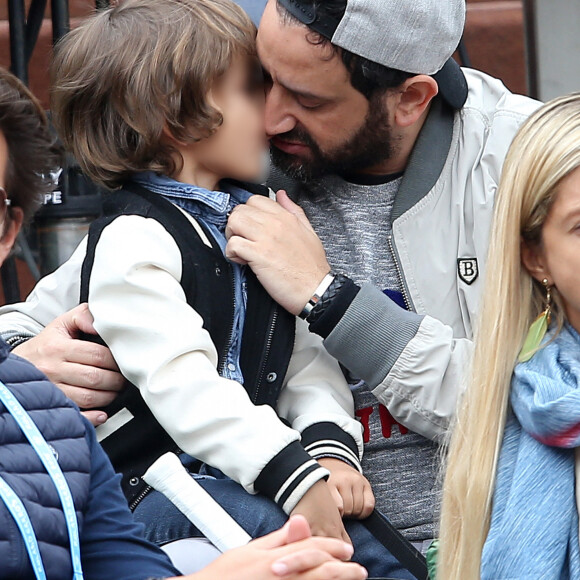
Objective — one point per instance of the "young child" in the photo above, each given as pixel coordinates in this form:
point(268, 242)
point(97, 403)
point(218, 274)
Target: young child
point(509, 508)
point(160, 100)
point(106, 543)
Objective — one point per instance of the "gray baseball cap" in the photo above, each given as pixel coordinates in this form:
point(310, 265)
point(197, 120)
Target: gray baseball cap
point(415, 36)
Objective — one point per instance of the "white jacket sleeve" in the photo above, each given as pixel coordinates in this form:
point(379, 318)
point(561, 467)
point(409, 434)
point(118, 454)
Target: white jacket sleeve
point(159, 343)
point(426, 382)
point(52, 296)
point(411, 362)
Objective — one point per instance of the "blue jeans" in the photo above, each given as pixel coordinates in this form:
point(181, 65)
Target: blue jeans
point(258, 515)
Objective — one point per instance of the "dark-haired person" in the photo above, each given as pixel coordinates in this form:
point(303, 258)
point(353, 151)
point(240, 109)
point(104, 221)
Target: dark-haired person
point(392, 154)
point(395, 155)
point(61, 506)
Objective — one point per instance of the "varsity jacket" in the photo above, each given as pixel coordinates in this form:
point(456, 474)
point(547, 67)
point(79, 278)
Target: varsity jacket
point(111, 544)
point(413, 360)
point(140, 293)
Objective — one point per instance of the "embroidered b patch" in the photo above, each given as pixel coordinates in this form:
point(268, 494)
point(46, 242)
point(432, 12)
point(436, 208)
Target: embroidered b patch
point(468, 269)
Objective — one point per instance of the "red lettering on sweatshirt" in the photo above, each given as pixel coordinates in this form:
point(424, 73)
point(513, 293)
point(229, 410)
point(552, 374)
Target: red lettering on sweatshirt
point(363, 415)
point(387, 422)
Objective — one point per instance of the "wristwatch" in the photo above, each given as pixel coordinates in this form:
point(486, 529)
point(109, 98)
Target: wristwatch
point(323, 296)
point(318, 293)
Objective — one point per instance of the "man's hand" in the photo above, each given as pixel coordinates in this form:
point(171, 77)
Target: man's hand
point(84, 371)
point(289, 553)
point(320, 510)
point(278, 243)
point(350, 489)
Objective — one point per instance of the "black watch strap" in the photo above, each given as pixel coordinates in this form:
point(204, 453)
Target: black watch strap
point(327, 297)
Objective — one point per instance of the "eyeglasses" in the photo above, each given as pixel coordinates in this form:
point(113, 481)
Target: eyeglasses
point(5, 203)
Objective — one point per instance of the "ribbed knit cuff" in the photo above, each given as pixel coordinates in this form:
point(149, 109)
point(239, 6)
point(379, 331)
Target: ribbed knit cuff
point(329, 440)
point(289, 475)
point(371, 335)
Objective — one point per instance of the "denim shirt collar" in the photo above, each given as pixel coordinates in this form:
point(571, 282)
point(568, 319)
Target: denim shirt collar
point(196, 199)
point(211, 208)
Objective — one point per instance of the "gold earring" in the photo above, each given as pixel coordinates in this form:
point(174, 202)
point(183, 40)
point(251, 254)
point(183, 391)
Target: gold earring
point(538, 328)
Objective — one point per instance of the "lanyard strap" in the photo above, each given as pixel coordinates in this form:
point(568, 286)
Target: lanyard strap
point(51, 465)
point(18, 511)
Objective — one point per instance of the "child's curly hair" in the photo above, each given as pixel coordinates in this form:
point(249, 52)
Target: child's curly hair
point(138, 70)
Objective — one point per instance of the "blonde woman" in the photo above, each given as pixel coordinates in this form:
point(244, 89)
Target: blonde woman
point(509, 509)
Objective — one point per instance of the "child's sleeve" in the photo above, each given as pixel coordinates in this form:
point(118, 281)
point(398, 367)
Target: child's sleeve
point(160, 345)
point(317, 401)
point(52, 296)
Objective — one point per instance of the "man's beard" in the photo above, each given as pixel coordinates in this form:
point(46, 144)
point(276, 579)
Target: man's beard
point(370, 145)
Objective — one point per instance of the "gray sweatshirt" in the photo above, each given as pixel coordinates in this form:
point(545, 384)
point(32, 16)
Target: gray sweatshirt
point(353, 222)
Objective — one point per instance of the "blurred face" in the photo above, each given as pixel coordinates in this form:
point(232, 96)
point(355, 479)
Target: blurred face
point(558, 258)
point(317, 122)
point(238, 148)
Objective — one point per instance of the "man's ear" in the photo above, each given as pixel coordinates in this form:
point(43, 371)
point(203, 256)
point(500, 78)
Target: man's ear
point(534, 261)
point(11, 228)
point(415, 95)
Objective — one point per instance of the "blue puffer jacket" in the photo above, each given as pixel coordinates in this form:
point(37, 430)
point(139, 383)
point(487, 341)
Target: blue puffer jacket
point(22, 469)
point(111, 543)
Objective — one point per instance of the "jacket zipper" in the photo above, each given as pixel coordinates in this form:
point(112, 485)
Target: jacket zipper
point(267, 348)
point(178, 451)
point(222, 365)
point(400, 274)
point(139, 498)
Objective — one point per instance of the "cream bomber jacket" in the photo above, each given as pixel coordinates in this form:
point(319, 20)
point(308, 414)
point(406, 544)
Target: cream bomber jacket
point(415, 362)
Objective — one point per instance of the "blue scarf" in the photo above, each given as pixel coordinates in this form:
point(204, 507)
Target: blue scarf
point(534, 524)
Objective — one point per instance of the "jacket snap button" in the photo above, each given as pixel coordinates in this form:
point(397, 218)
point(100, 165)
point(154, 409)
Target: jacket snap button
point(218, 271)
point(271, 377)
point(134, 481)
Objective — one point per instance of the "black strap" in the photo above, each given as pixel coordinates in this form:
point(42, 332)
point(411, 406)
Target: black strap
point(397, 545)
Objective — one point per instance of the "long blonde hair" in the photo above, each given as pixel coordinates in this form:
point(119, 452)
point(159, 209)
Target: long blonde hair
point(545, 151)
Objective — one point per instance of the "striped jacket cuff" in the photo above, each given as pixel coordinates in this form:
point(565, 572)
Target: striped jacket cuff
point(289, 475)
point(329, 440)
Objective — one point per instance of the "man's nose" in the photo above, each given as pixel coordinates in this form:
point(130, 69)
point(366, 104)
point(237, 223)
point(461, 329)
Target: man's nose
point(278, 115)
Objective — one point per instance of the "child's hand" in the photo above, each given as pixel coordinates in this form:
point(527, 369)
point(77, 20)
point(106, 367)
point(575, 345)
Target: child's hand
point(319, 509)
point(349, 488)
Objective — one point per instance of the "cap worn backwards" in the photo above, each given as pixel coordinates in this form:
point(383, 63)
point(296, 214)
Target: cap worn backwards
point(415, 36)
